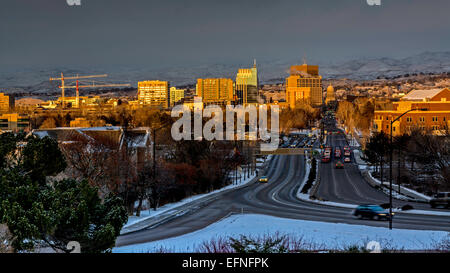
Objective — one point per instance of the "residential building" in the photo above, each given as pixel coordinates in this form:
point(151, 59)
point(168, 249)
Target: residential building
point(247, 86)
point(432, 114)
point(154, 94)
point(215, 91)
point(304, 84)
point(6, 102)
point(137, 141)
point(176, 95)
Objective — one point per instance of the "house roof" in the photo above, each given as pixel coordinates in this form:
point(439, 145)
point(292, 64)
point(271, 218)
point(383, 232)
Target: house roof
point(422, 94)
point(134, 138)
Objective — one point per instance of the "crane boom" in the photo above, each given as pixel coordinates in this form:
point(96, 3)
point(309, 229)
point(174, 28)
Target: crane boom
point(63, 86)
point(97, 86)
point(79, 77)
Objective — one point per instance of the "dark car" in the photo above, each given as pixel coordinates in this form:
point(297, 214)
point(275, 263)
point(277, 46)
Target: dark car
point(339, 165)
point(441, 199)
point(374, 212)
point(326, 159)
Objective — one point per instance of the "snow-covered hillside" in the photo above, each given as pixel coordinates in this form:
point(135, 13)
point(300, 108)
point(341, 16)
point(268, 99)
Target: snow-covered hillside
point(35, 79)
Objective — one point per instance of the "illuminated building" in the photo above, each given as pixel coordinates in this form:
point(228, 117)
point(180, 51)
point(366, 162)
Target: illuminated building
point(247, 85)
point(154, 94)
point(14, 122)
point(215, 91)
point(330, 94)
point(6, 102)
point(304, 84)
point(176, 95)
point(435, 118)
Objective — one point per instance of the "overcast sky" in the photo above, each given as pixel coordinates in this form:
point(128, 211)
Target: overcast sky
point(191, 32)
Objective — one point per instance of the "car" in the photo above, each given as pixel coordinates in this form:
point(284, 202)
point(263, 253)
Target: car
point(263, 179)
point(347, 160)
point(339, 165)
point(326, 159)
point(374, 212)
point(441, 199)
point(346, 152)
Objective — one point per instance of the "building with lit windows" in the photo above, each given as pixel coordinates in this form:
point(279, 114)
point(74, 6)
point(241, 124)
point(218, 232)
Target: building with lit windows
point(304, 84)
point(432, 114)
point(6, 102)
point(154, 94)
point(218, 91)
point(176, 95)
point(14, 122)
point(247, 86)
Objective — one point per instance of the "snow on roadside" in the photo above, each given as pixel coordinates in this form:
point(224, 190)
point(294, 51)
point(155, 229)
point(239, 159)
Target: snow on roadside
point(305, 197)
point(149, 213)
point(328, 235)
point(403, 188)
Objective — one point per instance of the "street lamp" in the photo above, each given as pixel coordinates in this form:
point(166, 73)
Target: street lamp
point(390, 162)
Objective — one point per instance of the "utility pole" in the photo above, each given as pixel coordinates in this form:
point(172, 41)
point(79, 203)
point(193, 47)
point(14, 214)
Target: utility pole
point(391, 149)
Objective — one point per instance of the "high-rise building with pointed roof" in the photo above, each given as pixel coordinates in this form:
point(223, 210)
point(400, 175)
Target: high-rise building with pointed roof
point(247, 85)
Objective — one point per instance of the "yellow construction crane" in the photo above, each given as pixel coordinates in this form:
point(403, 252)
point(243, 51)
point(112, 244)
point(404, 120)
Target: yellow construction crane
point(77, 86)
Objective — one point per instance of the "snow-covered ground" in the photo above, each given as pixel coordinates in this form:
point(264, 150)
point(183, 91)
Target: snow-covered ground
point(395, 186)
point(319, 234)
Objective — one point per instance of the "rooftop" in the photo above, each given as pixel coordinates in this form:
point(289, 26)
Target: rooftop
point(422, 94)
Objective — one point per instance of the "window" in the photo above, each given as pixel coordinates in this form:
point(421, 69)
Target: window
point(422, 119)
point(409, 119)
point(435, 119)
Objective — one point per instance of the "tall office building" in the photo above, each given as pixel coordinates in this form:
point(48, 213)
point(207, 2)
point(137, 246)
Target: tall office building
point(247, 85)
point(176, 95)
point(6, 102)
point(154, 94)
point(304, 84)
point(215, 91)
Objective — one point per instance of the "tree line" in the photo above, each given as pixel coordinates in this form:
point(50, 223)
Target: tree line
point(421, 160)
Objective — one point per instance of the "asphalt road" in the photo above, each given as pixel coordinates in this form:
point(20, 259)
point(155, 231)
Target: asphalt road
point(277, 198)
point(347, 185)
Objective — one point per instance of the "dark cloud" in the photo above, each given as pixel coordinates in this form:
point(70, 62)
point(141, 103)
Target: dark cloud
point(169, 32)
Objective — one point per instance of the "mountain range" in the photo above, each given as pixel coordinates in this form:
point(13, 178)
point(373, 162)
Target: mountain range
point(35, 80)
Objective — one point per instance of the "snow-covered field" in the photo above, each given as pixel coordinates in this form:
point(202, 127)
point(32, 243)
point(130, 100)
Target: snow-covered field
point(320, 234)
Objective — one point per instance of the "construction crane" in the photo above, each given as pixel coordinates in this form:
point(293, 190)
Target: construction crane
point(77, 86)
